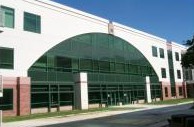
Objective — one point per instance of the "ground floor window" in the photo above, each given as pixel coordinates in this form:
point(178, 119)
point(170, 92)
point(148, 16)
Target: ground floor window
point(6, 102)
point(180, 91)
point(166, 92)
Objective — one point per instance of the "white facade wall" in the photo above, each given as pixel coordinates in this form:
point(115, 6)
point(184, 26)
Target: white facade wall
point(59, 23)
point(177, 64)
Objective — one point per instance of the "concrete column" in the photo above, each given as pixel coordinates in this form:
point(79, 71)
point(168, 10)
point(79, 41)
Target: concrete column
point(81, 91)
point(148, 91)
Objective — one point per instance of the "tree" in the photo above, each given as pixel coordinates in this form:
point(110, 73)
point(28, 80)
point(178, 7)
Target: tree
point(188, 57)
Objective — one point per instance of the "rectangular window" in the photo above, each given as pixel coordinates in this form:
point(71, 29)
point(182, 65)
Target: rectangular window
point(32, 22)
point(161, 52)
point(8, 16)
point(177, 56)
point(6, 58)
point(163, 71)
point(154, 51)
point(178, 74)
point(166, 92)
point(180, 91)
point(6, 102)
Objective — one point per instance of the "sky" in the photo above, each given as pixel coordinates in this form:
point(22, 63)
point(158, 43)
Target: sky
point(169, 19)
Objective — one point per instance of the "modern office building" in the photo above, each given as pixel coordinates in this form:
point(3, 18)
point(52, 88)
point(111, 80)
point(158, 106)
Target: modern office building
point(53, 57)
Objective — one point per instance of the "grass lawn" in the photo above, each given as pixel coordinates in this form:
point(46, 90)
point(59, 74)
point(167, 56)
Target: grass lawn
point(172, 101)
point(63, 113)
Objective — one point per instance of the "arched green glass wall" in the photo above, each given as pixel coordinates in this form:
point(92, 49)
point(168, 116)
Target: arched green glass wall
point(116, 72)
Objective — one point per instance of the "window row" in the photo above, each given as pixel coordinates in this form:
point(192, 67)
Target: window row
point(72, 64)
point(161, 53)
point(32, 22)
point(155, 52)
point(163, 73)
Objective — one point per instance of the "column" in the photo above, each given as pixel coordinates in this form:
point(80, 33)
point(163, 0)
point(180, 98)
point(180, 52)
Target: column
point(23, 100)
point(81, 91)
point(148, 91)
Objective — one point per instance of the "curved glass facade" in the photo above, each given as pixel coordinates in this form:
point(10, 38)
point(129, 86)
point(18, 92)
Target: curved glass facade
point(116, 72)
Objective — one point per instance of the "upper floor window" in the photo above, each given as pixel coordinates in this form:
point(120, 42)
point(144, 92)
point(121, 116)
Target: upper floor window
point(178, 74)
point(32, 22)
point(6, 58)
point(154, 51)
point(163, 71)
point(161, 52)
point(177, 56)
point(7, 16)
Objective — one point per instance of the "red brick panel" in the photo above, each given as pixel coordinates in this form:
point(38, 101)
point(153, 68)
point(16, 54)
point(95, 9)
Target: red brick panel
point(166, 85)
point(23, 96)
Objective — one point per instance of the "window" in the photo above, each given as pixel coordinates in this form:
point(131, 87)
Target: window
point(6, 102)
point(163, 71)
point(154, 51)
point(180, 91)
point(161, 52)
point(177, 56)
point(32, 22)
point(178, 74)
point(8, 16)
point(6, 58)
point(166, 92)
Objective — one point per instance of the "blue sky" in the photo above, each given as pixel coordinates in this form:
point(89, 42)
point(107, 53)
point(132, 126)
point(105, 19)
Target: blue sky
point(169, 19)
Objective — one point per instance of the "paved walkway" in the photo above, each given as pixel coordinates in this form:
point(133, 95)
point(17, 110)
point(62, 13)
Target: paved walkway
point(84, 116)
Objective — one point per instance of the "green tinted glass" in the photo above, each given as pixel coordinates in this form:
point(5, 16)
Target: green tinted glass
point(32, 22)
point(177, 56)
point(8, 16)
point(161, 52)
point(6, 102)
point(163, 71)
point(154, 51)
point(6, 58)
point(111, 63)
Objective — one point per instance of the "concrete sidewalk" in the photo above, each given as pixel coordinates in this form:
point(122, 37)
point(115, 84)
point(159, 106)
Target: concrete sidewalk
point(85, 116)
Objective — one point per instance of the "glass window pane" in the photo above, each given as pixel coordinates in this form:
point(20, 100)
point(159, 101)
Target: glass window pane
point(32, 22)
point(178, 74)
point(177, 56)
point(8, 16)
point(161, 52)
point(163, 71)
point(6, 58)
point(6, 102)
point(154, 51)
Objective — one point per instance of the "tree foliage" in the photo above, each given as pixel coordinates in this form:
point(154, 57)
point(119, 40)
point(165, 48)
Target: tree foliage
point(188, 57)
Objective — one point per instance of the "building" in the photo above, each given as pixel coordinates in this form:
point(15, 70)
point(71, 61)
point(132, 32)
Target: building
point(53, 57)
point(188, 74)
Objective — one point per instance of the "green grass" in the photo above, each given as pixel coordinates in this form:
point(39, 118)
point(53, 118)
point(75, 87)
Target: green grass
point(172, 101)
point(63, 113)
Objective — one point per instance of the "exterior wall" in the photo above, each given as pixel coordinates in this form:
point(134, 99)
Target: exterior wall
point(59, 23)
point(177, 64)
point(21, 95)
point(144, 43)
point(69, 23)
